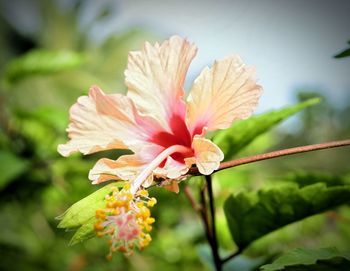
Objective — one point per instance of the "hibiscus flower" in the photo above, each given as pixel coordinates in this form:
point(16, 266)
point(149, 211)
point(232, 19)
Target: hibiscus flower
point(165, 133)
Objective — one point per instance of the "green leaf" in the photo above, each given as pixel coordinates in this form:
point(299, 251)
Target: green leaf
point(81, 215)
point(311, 259)
point(308, 178)
point(251, 215)
point(85, 232)
point(84, 210)
point(11, 166)
point(241, 133)
point(345, 53)
point(38, 62)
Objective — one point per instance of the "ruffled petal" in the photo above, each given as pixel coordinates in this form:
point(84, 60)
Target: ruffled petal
point(207, 155)
point(100, 122)
point(126, 167)
point(172, 169)
point(155, 77)
point(222, 94)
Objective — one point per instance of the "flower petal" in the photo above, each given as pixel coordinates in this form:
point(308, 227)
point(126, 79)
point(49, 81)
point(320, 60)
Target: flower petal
point(155, 77)
point(222, 94)
point(126, 167)
point(172, 169)
point(172, 186)
point(100, 122)
point(207, 155)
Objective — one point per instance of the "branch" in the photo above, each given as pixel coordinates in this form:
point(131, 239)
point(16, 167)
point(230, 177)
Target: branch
point(201, 209)
point(214, 244)
point(274, 154)
point(204, 216)
point(226, 259)
point(197, 207)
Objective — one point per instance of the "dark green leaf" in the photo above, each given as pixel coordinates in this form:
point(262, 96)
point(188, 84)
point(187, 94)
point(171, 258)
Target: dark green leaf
point(308, 178)
point(11, 166)
point(241, 133)
point(251, 215)
point(345, 53)
point(38, 62)
point(327, 259)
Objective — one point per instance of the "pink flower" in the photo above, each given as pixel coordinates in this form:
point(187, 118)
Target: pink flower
point(165, 133)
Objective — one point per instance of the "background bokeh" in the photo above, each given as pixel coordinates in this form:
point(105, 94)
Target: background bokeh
point(51, 52)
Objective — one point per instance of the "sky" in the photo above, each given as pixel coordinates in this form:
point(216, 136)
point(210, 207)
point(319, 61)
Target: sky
point(291, 43)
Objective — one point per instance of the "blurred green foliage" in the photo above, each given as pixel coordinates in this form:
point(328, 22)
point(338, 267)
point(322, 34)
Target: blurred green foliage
point(41, 62)
point(42, 74)
point(327, 259)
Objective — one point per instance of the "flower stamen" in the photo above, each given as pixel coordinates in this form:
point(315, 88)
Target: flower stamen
point(126, 219)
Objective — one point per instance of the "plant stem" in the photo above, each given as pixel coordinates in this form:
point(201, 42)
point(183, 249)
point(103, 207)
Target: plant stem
point(204, 216)
point(201, 209)
point(214, 246)
point(274, 154)
point(191, 199)
point(226, 259)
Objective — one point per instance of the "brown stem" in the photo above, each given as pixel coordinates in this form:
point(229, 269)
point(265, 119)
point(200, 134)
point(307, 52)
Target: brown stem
point(226, 259)
point(201, 209)
point(214, 244)
point(191, 199)
point(274, 154)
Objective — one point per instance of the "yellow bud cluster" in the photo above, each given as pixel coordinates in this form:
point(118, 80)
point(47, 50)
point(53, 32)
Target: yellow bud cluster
point(126, 220)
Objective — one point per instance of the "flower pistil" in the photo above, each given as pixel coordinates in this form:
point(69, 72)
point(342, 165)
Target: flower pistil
point(126, 219)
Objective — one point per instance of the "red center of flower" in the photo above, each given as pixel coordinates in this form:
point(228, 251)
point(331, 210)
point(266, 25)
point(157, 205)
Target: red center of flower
point(179, 135)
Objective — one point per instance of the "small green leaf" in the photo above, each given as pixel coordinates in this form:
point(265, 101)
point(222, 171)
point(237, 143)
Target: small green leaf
point(81, 215)
point(251, 215)
point(241, 133)
point(327, 259)
point(84, 210)
point(38, 62)
point(11, 166)
point(85, 232)
point(345, 53)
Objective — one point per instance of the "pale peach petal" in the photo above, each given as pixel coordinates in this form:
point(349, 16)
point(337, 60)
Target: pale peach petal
point(155, 77)
point(172, 186)
point(126, 167)
point(148, 182)
point(100, 122)
point(208, 156)
point(222, 94)
point(172, 169)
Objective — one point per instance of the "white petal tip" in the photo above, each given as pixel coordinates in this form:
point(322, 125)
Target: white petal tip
point(63, 150)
